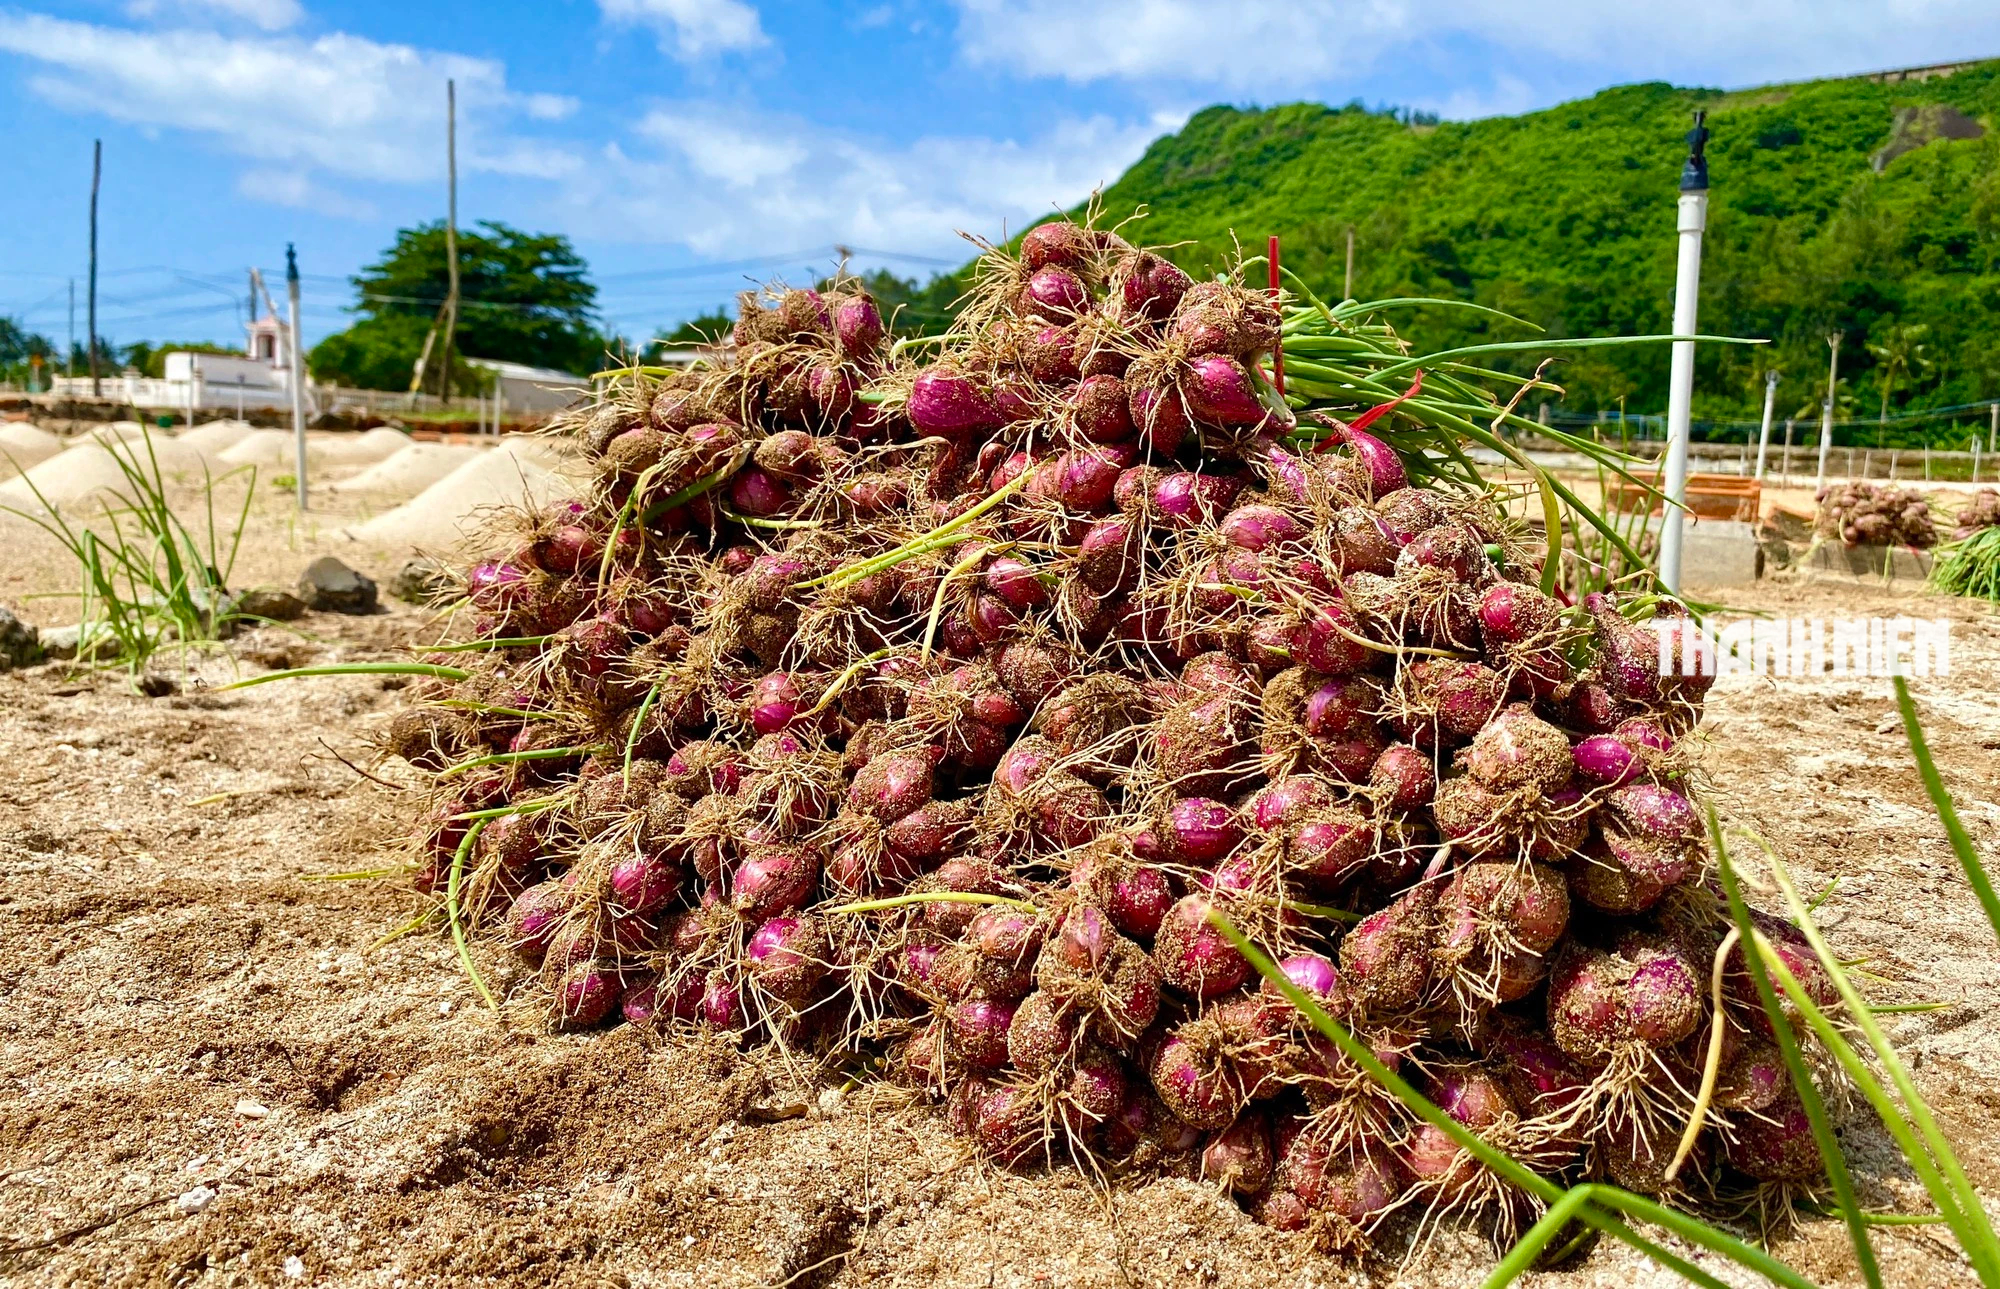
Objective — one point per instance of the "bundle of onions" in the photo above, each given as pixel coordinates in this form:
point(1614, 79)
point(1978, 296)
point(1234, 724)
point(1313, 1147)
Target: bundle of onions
point(973, 691)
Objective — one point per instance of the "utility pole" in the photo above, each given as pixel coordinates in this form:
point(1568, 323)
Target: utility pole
point(298, 371)
point(450, 236)
point(1347, 283)
point(69, 357)
point(1692, 223)
point(1764, 435)
point(96, 174)
point(1826, 421)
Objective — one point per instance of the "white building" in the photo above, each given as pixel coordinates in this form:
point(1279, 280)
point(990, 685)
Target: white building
point(522, 388)
point(196, 383)
point(210, 382)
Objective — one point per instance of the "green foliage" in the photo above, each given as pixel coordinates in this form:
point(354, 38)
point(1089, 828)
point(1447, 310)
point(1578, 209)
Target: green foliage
point(374, 353)
point(1566, 217)
point(18, 345)
point(1970, 567)
point(524, 297)
point(153, 576)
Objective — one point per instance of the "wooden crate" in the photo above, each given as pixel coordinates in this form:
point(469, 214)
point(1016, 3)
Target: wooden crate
point(1709, 496)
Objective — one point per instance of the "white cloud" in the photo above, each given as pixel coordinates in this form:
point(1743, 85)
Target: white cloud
point(339, 103)
point(270, 15)
point(548, 107)
point(1261, 47)
point(1506, 96)
point(727, 181)
point(716, 147)
point(696, 28)
point(291, 188)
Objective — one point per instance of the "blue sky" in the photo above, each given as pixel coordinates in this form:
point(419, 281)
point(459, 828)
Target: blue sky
point(688, 146)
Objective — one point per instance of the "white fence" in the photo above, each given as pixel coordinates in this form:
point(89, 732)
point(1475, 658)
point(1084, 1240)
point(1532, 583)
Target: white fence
point(171, 398)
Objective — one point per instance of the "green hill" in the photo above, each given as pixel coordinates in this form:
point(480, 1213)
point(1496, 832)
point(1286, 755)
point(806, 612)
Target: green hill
point(1865, 206)
point(1835, 204)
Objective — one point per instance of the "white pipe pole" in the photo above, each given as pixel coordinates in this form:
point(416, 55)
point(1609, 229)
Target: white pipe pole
point(1826, 421)
point(298, 371)
point(1764, 435)
point(1680, 388)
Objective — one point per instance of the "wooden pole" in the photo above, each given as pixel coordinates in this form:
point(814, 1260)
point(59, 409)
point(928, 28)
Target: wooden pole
point(450, 237)
point(96, 174)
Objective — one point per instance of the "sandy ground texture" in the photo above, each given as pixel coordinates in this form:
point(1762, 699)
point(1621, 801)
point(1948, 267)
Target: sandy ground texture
point(207, 1076)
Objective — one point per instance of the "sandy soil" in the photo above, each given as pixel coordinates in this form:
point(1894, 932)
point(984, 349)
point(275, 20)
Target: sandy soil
point(185, 1010)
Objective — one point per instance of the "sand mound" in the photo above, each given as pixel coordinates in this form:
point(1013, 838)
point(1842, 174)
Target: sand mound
point(24, 446)
point(217, 437)
point(262, 448)
point(277, 450)
point(447, 513)
point(546, 452)
point(411, 470)
point(89, 469)
point(366, 448)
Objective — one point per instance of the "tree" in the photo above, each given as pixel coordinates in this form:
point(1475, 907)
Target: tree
point(523, 297)
point(1902, 352)
point(18, 345)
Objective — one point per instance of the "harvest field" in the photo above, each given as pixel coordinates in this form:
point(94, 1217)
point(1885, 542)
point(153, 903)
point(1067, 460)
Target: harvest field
point(169, 962)
point(1054, 802)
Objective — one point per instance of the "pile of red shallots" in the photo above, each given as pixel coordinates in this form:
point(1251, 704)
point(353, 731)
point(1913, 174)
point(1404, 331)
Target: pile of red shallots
point(1875, 514)
point(936, 701)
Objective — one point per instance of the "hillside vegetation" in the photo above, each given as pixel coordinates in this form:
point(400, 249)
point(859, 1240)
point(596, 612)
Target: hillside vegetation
point(1566, 217)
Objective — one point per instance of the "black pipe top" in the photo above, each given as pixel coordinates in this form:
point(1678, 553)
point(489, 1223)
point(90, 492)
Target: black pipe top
point(1694, 175)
